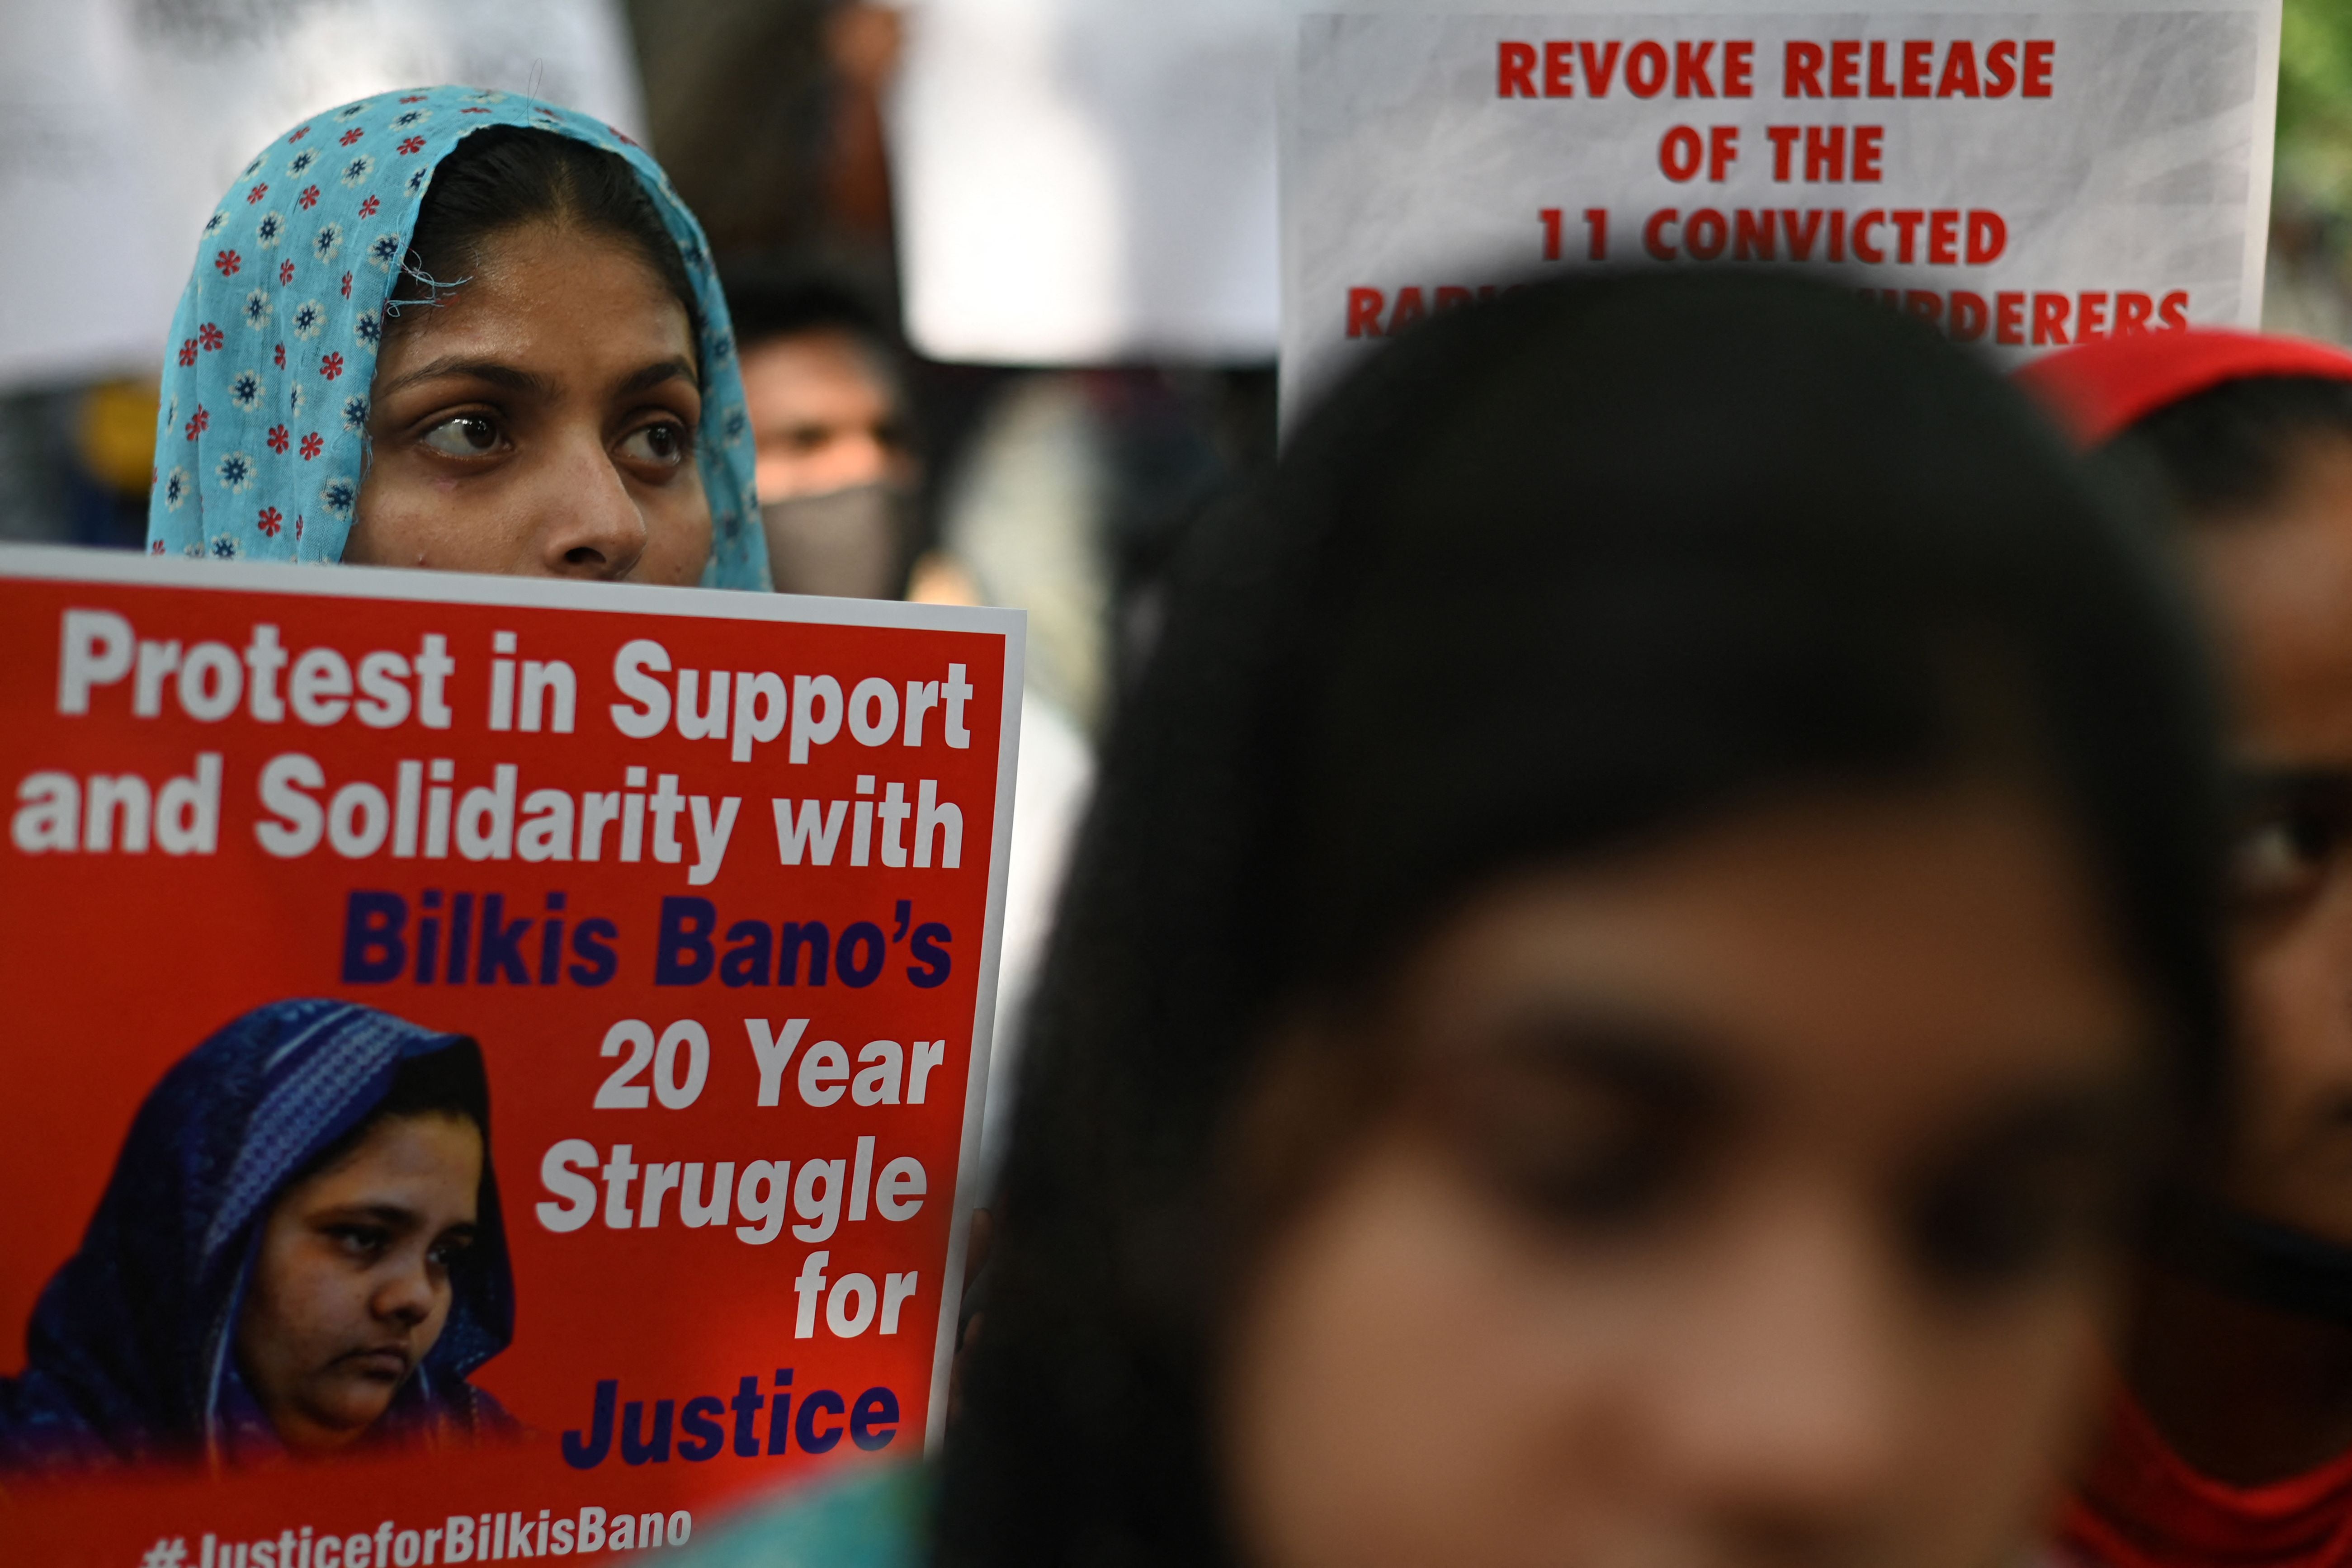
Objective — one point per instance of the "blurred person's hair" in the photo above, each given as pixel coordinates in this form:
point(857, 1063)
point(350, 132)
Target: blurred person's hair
point(508, 177)
point(783, 297)
point(1586, 568)
point(2230, 450)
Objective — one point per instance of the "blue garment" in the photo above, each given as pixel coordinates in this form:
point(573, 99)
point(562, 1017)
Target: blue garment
point(261, 442)
point(875, 1517)
point(130, 1351)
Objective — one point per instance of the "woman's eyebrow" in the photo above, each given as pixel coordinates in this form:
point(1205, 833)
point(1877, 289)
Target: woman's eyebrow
point(677, 367)
point(391, 1215)
point(1663, 1062)
point(2266, 785)
point(492, 371)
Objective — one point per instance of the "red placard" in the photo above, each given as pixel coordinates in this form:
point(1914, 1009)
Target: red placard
point(714, 879)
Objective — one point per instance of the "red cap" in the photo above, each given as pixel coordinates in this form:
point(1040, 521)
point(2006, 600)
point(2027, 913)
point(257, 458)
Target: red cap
point(2098, 390)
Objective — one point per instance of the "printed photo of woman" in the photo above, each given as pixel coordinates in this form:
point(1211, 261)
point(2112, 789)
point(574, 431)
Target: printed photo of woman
point(299, 1254)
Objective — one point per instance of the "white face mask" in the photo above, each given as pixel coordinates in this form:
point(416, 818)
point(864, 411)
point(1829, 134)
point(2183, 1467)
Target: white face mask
point(857, 543)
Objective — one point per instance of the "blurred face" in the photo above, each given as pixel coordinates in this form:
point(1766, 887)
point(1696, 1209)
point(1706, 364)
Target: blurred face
point(826, 415)
point(1744, 1201)
point(539, 421)
point(2282, 584)
point(352, 1286)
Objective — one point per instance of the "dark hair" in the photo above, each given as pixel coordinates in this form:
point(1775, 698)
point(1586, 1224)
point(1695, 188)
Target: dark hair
point(2233, 448)
point(781, 297)
point(505, 176)
point(1594, 563)
point(447, 1082)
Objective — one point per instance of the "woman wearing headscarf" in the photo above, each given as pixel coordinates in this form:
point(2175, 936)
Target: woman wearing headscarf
point(300, 1251)
point(2230, 1441)
point(1641, 938)
point(457, 328)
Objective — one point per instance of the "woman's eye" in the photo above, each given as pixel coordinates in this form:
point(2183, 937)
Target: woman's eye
point(1575, 1161)
point(664, 445)
point(467, 436)
point(1974, 1235)
point(360, 1240)
point(2014, 1212)
point(1616, 1187)
point(449, 1250)
point(2281, 858)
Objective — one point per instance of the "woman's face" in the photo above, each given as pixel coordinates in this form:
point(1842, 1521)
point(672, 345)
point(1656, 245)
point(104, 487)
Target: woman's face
point(539, 421)
point(2280, 581)
point(1744, 1201)
point(352, 1285)
point(826, 414)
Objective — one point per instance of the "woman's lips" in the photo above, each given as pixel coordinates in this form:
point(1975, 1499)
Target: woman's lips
point(389, 1362)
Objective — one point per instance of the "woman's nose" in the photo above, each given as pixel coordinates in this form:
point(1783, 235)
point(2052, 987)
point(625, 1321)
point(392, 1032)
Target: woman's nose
point(405, 1295)
point(591, 525)
point(1785, 1422)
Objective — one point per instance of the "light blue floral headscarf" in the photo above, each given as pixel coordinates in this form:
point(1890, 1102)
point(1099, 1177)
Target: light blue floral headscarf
point(261, 442)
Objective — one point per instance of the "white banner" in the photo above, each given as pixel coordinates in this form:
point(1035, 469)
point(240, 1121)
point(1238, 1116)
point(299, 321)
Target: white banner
point(2021, 180)
point(1088, 181)
point(122, 122)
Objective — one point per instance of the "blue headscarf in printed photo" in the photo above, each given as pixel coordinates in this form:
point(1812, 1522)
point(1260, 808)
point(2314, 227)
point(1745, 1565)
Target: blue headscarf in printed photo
point(129, 1355)
point(261, 441)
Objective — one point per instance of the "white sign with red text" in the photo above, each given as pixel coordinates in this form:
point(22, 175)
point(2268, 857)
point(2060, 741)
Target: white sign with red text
point(2020, 179)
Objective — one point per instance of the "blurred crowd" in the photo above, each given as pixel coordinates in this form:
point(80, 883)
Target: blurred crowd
point(1063, 489)
point(1760, 1027)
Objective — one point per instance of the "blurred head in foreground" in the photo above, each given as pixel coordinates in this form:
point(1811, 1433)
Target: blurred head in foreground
point(833, 428)
point(2240, 1352)
point(1637, 945)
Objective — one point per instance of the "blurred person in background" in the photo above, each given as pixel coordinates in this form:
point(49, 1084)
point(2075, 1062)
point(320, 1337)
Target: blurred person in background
point(459, 330)
point(74, 467)
point(839, 475)
point(769, 114)
point(2232, 1441)
point(824, 383)
point(1619, 997)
